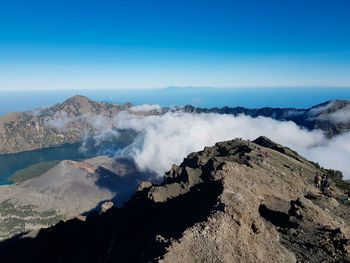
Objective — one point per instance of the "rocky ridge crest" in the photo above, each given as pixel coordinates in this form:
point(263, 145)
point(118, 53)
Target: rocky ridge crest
point(227, 203)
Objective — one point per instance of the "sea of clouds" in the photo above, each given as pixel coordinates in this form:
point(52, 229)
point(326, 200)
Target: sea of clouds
point(163, 140)
point(167, 139)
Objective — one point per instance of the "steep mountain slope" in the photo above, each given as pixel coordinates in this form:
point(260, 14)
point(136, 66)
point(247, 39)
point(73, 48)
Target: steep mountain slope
point(57, 125)
point(68, 189)
point(332, 117)
point(227, 203)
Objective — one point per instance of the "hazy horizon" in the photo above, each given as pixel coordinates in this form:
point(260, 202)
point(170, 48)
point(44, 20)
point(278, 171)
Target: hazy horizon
point(14, 101)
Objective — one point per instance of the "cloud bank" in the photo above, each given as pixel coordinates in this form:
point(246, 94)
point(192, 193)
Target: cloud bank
point(145, 107)
point(340, 116)
point(167, 139)
point(60, 121)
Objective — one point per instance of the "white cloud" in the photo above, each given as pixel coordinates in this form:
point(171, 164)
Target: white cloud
point(294, 113)
point(318, 109)
point(340, 116)
point(145, 107)
point(60, 121)
point(167, 139)
point(39, 111)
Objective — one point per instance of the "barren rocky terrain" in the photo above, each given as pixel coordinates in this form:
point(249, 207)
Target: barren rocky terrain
point(68, 189)
point(227, 203)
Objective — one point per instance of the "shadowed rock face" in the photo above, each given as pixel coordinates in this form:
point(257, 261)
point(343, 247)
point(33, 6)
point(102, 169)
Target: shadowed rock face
point(68, 189)
point(227, 203)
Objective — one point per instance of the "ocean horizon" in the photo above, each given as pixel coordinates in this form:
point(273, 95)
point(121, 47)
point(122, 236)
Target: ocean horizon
point(19, 101)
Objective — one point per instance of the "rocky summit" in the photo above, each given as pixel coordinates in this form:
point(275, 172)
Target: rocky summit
point(60, 124)
point(237, 201)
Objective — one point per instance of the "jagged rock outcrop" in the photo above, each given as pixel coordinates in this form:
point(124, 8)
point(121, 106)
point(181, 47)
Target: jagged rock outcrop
point(227, 203)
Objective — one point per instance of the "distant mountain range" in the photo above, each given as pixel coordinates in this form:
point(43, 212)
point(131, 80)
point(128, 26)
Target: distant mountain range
point(332, 117)
point(68, 121)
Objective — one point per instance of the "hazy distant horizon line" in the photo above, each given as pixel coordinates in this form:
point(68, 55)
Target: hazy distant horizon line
point(179, 87)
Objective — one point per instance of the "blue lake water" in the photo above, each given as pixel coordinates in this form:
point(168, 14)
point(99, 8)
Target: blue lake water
point(10, 163)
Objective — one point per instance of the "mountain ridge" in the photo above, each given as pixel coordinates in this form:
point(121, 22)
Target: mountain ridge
point(68, 121)
point(317, 117)
point(226, 203)
point(59, 124)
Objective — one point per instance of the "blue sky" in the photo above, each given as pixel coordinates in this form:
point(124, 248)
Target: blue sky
point(153, 44)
